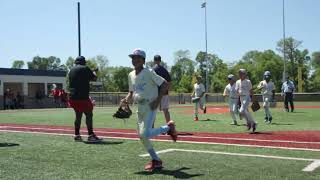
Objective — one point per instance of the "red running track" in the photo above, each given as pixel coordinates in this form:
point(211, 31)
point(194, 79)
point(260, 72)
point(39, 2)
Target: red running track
point(284, 139)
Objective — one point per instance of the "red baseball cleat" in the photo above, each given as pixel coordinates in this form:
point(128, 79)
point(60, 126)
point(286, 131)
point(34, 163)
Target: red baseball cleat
point(196, 118)
point(172, 131)
point(152, 165)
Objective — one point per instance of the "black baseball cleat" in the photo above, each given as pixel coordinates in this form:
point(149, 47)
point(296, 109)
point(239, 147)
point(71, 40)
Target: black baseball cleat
point(266, 119)
point(93, 138)
point(254, 127)
point(77, 138)
point(205, 110)
point(270, 119)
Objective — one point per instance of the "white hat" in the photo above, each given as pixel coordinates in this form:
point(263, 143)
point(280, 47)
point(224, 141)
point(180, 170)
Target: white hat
point(242, 71)
point(230, 76)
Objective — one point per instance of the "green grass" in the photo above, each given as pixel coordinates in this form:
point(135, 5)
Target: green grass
point(58, 157)
point(39, 156)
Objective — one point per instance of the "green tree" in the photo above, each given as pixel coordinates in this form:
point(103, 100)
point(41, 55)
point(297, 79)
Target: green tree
point(120, 78)
point(182, 70)
point(69, 63)
point(315, 59)
point(102, 64)
point(295, 57)
point(46, 63)
point(18, 64)
point(256, 63)
point(185, 84)
point(314, 80)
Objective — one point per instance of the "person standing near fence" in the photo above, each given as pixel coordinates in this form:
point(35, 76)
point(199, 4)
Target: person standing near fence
point(79, 78)
point(231, 93)
point(199, 92)
point(161, 71)
point(287, 90)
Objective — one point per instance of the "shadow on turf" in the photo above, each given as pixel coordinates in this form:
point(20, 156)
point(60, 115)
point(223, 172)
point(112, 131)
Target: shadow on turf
point(207, 120)
point(103, 143)
point(281, 124)
point(8, 144)
point(179, 174)
point(184, 134)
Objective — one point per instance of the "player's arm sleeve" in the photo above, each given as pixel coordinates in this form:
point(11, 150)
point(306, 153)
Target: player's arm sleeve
point(225, 92)
point(130, 84)
point(250, 85)
point(156, 78)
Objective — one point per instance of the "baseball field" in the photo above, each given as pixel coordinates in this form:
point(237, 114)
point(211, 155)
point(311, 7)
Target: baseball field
point(38, 144)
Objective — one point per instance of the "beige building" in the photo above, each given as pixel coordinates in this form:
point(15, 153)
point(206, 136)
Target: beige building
point(33, 85)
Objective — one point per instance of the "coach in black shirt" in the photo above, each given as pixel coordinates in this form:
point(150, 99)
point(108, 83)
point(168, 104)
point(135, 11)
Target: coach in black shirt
point(161, 71)
point(79, 83)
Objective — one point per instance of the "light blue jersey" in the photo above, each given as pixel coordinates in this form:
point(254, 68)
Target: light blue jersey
point(287, 87)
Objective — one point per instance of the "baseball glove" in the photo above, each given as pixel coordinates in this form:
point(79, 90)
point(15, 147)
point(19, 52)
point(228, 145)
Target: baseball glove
point(195, 99)
point(255, 106)
point(123, 112)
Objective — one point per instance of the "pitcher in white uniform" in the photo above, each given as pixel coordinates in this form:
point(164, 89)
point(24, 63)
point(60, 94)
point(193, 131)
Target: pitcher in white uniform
point(143, 89)
point(268, 92)
point(231, 93)
point(199, 91)
point(244, 90)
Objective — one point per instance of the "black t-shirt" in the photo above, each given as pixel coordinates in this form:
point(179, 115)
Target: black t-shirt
point(79, 82)
point(161, 71)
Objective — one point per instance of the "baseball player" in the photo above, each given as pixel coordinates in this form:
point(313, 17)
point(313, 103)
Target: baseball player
point(143, 89)
point(244, 90)
point(287, 91)
point(161, 71)
point(199, 91)
point(268, 92)
point(231, 93)
point(79, 83)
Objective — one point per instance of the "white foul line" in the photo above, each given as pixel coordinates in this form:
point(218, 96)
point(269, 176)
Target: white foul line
point(311, 167)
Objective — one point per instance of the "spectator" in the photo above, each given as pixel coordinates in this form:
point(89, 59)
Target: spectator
point(8, 99)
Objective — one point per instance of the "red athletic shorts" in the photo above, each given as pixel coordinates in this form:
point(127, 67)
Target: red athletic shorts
point(81, 105)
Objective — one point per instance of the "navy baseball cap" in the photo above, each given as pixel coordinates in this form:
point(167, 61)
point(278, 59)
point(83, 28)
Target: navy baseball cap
point(80, 60)
point(138, 52)
point(157, 58)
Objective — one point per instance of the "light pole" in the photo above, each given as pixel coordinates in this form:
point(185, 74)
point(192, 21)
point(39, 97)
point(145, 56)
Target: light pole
point(284, 44)
point(79, 31)
point(204, 5)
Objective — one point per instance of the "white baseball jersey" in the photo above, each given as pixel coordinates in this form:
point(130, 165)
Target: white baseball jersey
point(230, 91)
point(243, 87)
point(199, 89)
point(267, 87)
point(144, 85)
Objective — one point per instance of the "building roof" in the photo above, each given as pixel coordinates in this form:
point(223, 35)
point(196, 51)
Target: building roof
point(32, 72)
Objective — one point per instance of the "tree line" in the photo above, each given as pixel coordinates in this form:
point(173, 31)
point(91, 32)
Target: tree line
point(184, 69)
